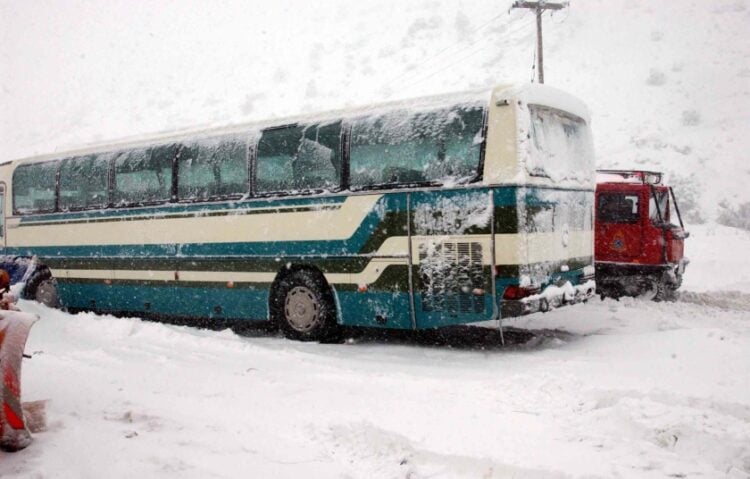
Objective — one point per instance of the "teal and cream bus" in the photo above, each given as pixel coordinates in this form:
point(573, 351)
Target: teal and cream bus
point(421, 214)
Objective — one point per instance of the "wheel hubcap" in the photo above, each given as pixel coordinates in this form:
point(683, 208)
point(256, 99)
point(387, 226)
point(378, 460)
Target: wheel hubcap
point(302, 309)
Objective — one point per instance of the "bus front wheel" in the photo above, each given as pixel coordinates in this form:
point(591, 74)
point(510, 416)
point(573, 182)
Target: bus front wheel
point(303, 307)
point(42, 287)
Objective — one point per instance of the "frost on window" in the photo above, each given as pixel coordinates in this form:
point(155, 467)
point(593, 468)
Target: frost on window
point(34, 187)
point(84, 182)
point(212, 168)
point(144, 175)
point(405, 147)
point(299, 158)
point(561, 146)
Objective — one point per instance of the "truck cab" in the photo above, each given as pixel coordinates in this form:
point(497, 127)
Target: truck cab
point(639, 249)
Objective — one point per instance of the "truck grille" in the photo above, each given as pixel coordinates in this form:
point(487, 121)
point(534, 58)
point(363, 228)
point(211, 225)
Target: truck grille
point(450, 273)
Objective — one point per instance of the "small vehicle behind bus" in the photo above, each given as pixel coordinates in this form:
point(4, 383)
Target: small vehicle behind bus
point(639, 250)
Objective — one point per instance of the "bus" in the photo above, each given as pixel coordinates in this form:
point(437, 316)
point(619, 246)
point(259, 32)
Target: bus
point(431, 212)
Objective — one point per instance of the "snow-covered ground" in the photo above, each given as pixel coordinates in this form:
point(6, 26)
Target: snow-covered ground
point(604, 389)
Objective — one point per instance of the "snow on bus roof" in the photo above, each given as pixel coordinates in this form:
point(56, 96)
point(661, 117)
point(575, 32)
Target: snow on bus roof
point(543, 95)
point(530, 93)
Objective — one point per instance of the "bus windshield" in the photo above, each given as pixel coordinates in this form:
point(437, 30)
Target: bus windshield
point(560, 147)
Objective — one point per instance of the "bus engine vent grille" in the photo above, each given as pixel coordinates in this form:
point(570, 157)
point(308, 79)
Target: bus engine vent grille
point(450, 274)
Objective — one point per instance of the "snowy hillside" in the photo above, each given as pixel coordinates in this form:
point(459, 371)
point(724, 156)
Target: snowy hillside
point(667, 81)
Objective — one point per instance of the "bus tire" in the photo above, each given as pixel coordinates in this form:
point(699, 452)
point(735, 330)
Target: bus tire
point(303, 307)
point(42, 288)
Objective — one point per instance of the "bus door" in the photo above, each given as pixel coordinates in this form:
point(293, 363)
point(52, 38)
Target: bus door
point(618, 225)
point(451, 254)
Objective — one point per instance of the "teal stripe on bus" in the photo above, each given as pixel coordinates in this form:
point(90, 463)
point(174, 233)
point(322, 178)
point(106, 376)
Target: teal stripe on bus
point(393, 202)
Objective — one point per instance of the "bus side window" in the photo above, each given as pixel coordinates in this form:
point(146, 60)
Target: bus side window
point(211, 168)
point(34, 187)
point(277, 149)
point(144, 175)
point(84, 182)
point(404, 147)
point(317, 164)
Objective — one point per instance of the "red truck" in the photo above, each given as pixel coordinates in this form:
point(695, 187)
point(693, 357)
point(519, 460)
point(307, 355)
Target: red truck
point(638, 250)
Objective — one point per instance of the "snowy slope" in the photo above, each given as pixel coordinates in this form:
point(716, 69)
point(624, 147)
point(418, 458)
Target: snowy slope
point(667, 81)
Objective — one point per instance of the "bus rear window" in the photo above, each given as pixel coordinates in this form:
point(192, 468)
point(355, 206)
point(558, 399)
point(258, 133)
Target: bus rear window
point(34, 187)
point(404, 147)
point(617, 208)
point(561, 146)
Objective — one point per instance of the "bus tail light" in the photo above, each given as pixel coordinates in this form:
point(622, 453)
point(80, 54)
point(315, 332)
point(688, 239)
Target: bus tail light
point(515, 292)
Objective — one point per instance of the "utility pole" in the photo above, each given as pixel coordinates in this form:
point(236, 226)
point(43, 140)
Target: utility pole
point(540, 6)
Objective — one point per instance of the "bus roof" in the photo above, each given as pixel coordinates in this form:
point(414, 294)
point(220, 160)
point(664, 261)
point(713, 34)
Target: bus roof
point(533, 94)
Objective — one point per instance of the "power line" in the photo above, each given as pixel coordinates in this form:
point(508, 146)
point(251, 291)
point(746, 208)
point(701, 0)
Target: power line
point(440, 53)
point(419, 77)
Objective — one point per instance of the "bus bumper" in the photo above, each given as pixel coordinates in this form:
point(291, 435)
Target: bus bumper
point(550, 298)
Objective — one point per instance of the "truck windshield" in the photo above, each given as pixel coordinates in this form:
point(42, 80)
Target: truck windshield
point(661, 214)
point(617, 208)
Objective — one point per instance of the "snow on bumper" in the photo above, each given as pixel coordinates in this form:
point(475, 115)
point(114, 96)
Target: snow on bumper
point(14, 329)
point(551, 297)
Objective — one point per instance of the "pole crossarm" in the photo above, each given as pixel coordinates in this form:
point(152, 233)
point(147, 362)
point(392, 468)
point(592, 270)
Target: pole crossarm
point(541, 5)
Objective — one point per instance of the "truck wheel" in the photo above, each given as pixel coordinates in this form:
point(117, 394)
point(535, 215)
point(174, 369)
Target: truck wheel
point(666, 292)
point(42, 287)
point(303, 307)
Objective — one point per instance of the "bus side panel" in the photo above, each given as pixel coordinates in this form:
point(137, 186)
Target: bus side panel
point(215, 301)
point(377, 294)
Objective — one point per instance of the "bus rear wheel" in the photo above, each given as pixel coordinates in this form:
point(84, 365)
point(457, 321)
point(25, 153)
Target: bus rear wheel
point(303, 307)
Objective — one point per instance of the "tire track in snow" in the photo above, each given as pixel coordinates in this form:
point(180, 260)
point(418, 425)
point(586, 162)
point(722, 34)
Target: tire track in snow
point(729, 300)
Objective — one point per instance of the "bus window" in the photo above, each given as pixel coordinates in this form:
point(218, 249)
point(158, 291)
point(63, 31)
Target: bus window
point(417, 147)
point(317, 164)
point(211, 168)
point(298, 158)
point(34, 187)
point(617, 208)
point(561, 146)
point(276, 151)
point(144, 175)
point(84, 182)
